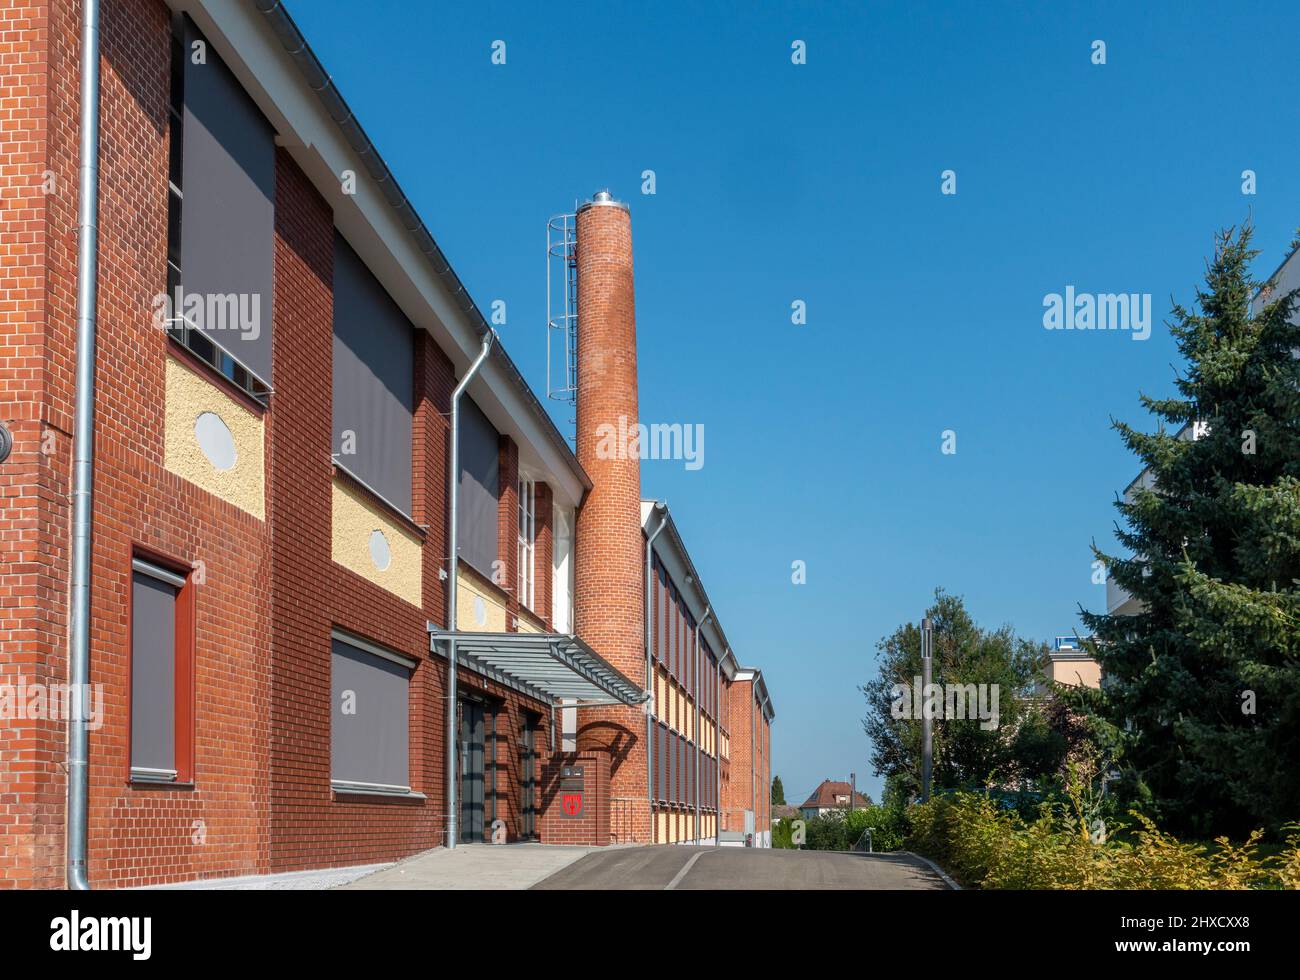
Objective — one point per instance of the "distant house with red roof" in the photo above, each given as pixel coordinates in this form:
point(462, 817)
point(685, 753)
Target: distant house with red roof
point(831, 795)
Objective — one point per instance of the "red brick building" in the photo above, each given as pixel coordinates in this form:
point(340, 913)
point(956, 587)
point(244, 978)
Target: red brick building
point(278, 340)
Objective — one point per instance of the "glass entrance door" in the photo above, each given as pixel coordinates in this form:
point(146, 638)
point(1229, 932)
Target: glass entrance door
point(528, 777)
point(471, 772)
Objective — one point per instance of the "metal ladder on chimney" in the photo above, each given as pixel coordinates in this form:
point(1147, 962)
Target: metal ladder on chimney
point(562, 307)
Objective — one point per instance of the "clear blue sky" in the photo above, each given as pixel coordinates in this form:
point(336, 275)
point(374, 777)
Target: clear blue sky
point(821, 182)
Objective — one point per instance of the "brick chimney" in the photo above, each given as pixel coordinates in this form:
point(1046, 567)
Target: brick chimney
point(609, 602)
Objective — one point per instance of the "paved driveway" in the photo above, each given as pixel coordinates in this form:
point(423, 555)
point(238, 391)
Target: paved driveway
point(742, 868)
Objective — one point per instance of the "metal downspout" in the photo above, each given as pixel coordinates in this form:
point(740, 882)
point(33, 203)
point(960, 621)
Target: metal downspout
point(649, 669)
point(717, 753)
point(708, 611)
point(83, 448)
point(453, 497)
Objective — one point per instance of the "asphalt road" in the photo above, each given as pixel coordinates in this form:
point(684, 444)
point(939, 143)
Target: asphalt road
point(683, 867)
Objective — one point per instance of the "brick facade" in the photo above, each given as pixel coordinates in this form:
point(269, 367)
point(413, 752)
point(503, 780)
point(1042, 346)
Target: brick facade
point(747, 777)
point(267, 593)
point(609, 596)
point(37, 248)
point(592, 828)
point(270, 593)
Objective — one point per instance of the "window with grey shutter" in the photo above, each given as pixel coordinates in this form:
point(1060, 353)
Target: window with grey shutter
point(374, 380)
point(684, 767)
point(153, 671)
point(661, 616)
point(692, 651)
point(221, 223)
point(369, 718)
point(476, 522)
point(674, 768)
point(680, 744)
point(672, 629)
point(673, 757)
point(661, 753)
point(688, 766)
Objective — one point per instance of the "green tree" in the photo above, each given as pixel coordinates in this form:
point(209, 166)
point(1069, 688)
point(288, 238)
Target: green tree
point(828, 832)
point(778, 792)
point(1055, 738)
point(966, 753)
point(783, 834)
point(1215, 542)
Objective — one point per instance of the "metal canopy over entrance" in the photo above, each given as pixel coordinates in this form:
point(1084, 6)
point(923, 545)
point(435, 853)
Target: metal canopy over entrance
point(551, 667)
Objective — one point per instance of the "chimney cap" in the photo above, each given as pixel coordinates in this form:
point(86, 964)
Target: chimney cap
point(603, 198)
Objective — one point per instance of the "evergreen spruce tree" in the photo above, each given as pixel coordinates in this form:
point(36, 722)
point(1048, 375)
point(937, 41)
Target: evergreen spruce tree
point(778, 792)
point(1203, 686)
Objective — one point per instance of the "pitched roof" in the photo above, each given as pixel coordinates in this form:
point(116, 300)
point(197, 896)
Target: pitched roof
point(824, 796)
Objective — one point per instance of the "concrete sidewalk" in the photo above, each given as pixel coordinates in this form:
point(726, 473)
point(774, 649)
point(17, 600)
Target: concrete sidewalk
point(314, 880)
point(475, 866)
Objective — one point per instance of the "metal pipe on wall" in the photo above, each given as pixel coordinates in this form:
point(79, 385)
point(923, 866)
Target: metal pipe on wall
point(717, 697)
point(83, 448)
point(453, 497)
point(927, 724)
point(708, 611)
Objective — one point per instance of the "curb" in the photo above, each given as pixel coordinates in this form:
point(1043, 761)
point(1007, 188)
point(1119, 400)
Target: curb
point(935, 868)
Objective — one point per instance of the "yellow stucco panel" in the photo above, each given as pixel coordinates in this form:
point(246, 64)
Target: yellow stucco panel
point(233, 467)
point(364, 535)
point(477, 608)
point(1086, 673)
point(526, 625)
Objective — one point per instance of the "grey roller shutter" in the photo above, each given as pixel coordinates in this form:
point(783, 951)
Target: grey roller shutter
point(369, 718)
point(678, 778)
point(661, 619)
point(228, 208)
point(681, 768)
point(672, 630)
point(480, 447)
point(374, 379)
point(691, 652)
point(153, 674)
point(664, 763)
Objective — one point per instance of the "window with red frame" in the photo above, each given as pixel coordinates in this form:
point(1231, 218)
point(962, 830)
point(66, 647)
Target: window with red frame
point(162, 673)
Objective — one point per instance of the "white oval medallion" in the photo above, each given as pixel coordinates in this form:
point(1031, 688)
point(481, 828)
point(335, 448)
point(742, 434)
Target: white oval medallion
point(380, 553)
point(215, 440)
point(480, 610)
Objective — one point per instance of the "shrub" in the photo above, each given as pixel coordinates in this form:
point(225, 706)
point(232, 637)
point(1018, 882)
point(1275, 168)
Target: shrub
point(887, 825)
point(783, 834)
point(986, 845)
point(826, 833)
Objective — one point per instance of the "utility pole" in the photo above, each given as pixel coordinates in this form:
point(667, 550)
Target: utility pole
point(927, 723)
point(853, 790)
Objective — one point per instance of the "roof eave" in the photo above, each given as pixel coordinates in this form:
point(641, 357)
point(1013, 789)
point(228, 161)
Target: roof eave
point(318, 80)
